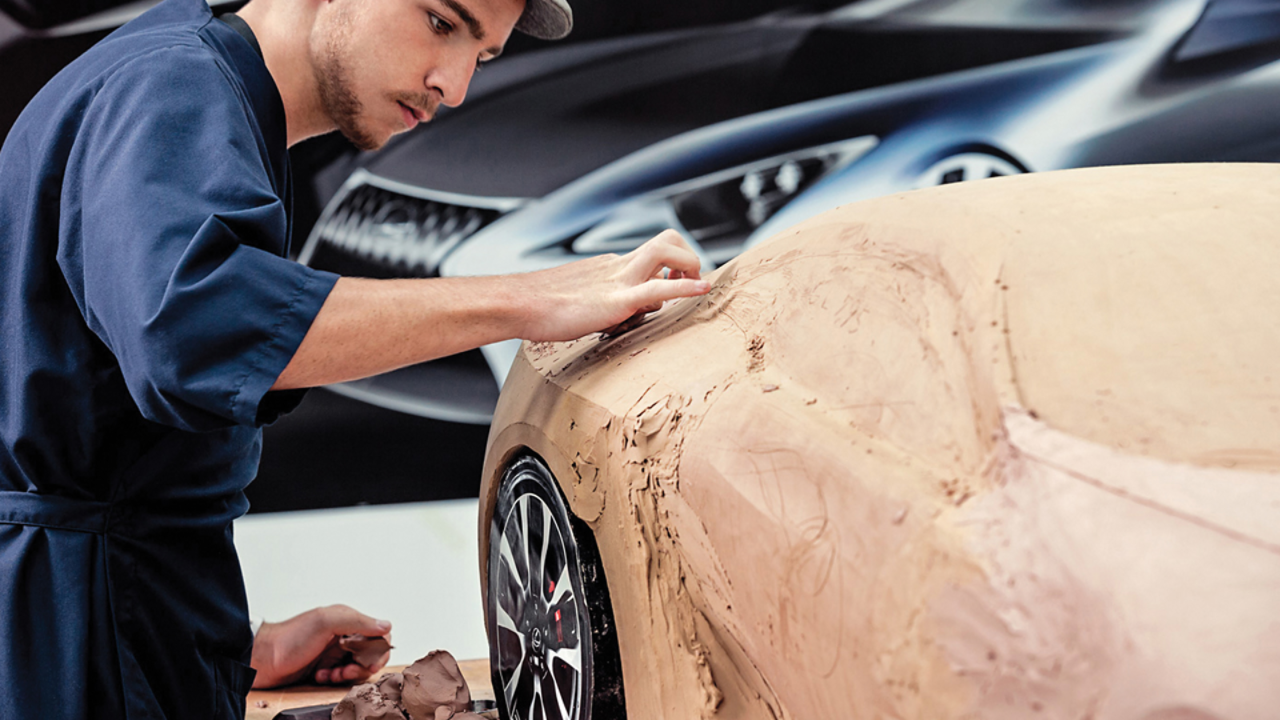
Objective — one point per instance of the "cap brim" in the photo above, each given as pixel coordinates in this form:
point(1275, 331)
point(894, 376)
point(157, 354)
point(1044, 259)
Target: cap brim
point(546, 19)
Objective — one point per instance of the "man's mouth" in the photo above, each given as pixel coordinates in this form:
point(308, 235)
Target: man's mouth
point(412, 115)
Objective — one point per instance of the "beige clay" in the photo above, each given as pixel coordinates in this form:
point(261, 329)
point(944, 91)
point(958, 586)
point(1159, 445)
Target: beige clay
point(1005, 449)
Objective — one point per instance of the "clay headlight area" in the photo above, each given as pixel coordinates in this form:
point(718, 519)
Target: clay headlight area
point(999, 449)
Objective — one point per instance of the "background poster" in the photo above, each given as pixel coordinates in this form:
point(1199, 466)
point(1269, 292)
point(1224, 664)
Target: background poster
point(728, 121)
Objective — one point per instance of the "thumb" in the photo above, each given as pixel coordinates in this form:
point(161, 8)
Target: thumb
point(345, 620)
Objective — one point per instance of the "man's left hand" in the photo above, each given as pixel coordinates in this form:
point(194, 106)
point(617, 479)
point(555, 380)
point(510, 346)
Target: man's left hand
point(305, 647)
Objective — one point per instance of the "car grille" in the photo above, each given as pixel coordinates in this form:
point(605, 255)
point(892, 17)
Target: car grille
point(374, 228)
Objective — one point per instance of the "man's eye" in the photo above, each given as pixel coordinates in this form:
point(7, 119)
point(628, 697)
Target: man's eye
point(439, 24)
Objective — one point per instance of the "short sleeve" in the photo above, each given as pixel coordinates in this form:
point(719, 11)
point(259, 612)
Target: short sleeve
point(174, 239)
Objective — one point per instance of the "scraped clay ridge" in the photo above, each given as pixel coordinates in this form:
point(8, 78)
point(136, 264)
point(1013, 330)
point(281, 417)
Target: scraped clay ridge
point(1004, 449)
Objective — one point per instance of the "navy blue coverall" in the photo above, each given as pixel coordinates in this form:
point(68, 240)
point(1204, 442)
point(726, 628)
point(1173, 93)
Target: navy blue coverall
point(146, 308)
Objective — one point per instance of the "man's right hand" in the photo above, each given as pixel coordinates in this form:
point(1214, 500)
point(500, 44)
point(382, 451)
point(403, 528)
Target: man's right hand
point(367, 327)
point(591, 295)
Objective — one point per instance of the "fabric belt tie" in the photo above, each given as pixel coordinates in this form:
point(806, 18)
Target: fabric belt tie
point(54, 511)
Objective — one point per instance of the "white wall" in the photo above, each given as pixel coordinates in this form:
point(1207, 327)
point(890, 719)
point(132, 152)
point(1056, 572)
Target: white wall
point(426, 554)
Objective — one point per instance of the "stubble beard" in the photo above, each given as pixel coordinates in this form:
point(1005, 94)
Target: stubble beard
point(344, 109)
point(338, 97)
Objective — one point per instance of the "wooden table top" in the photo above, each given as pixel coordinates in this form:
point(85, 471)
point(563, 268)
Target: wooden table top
point(264, 704)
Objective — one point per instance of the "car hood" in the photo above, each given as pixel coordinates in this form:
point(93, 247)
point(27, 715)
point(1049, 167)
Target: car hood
point(537, 122)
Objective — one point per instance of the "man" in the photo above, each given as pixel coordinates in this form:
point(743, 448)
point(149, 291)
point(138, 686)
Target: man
point(150, 326)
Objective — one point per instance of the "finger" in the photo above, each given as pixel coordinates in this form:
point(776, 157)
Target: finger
point(675, 239)
point(342, 675)
point(330, 676)
point(658, 253)
point(656, 292)
point(672, 237)
point(345, 620)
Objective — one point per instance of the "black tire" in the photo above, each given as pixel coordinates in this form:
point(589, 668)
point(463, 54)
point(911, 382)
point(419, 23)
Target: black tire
point(538, 628)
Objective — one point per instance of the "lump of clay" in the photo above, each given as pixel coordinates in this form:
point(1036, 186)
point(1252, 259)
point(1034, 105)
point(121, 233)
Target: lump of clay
point(365, 650)
point(390, 685)
point(365, 702)
point(432, 683)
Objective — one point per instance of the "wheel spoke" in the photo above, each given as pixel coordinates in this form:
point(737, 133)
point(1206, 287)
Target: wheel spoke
point(533, 701)
point(505, 621)
point(511, 686)
point(510, 689)
point(569, 656)
point(563, 586)
point(555, 690)
point(524, 534)
point(504, 548)
point(542, 561)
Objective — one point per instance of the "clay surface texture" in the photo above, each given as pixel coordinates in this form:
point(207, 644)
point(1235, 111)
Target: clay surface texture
point(432, 688)
point(1003, 449)
point(433, 683)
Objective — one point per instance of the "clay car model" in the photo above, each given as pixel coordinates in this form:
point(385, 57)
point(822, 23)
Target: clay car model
point(731, 132)
point(1006, 449)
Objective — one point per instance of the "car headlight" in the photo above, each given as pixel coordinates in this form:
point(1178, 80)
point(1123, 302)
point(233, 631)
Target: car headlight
point(718, 212)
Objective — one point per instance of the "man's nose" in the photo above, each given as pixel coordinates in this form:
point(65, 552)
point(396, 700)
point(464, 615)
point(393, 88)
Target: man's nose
point(452, 79)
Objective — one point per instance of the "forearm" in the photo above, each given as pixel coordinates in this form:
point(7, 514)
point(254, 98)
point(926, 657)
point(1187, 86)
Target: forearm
point(366, 327)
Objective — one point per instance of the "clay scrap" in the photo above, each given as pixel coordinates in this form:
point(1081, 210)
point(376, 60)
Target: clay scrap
point(390, 685)
point(365, 702)
point(366, 651)
point(432, 683)
point(432, 688)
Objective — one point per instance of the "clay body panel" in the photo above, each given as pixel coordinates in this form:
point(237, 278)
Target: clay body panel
point(984, 450)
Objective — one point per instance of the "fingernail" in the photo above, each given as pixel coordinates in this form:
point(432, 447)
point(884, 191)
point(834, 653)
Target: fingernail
point(384, 625)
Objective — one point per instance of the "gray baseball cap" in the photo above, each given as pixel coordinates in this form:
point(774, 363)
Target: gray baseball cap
point(546, 19)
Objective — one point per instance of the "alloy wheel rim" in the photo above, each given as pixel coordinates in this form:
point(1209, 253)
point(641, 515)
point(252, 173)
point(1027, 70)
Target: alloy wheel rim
point(539, 615)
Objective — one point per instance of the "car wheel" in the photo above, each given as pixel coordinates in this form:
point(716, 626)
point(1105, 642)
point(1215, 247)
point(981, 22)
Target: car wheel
point(966, 166)
point(553, 646)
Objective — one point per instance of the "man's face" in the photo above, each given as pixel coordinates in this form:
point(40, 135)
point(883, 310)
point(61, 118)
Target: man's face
point(383, 66)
